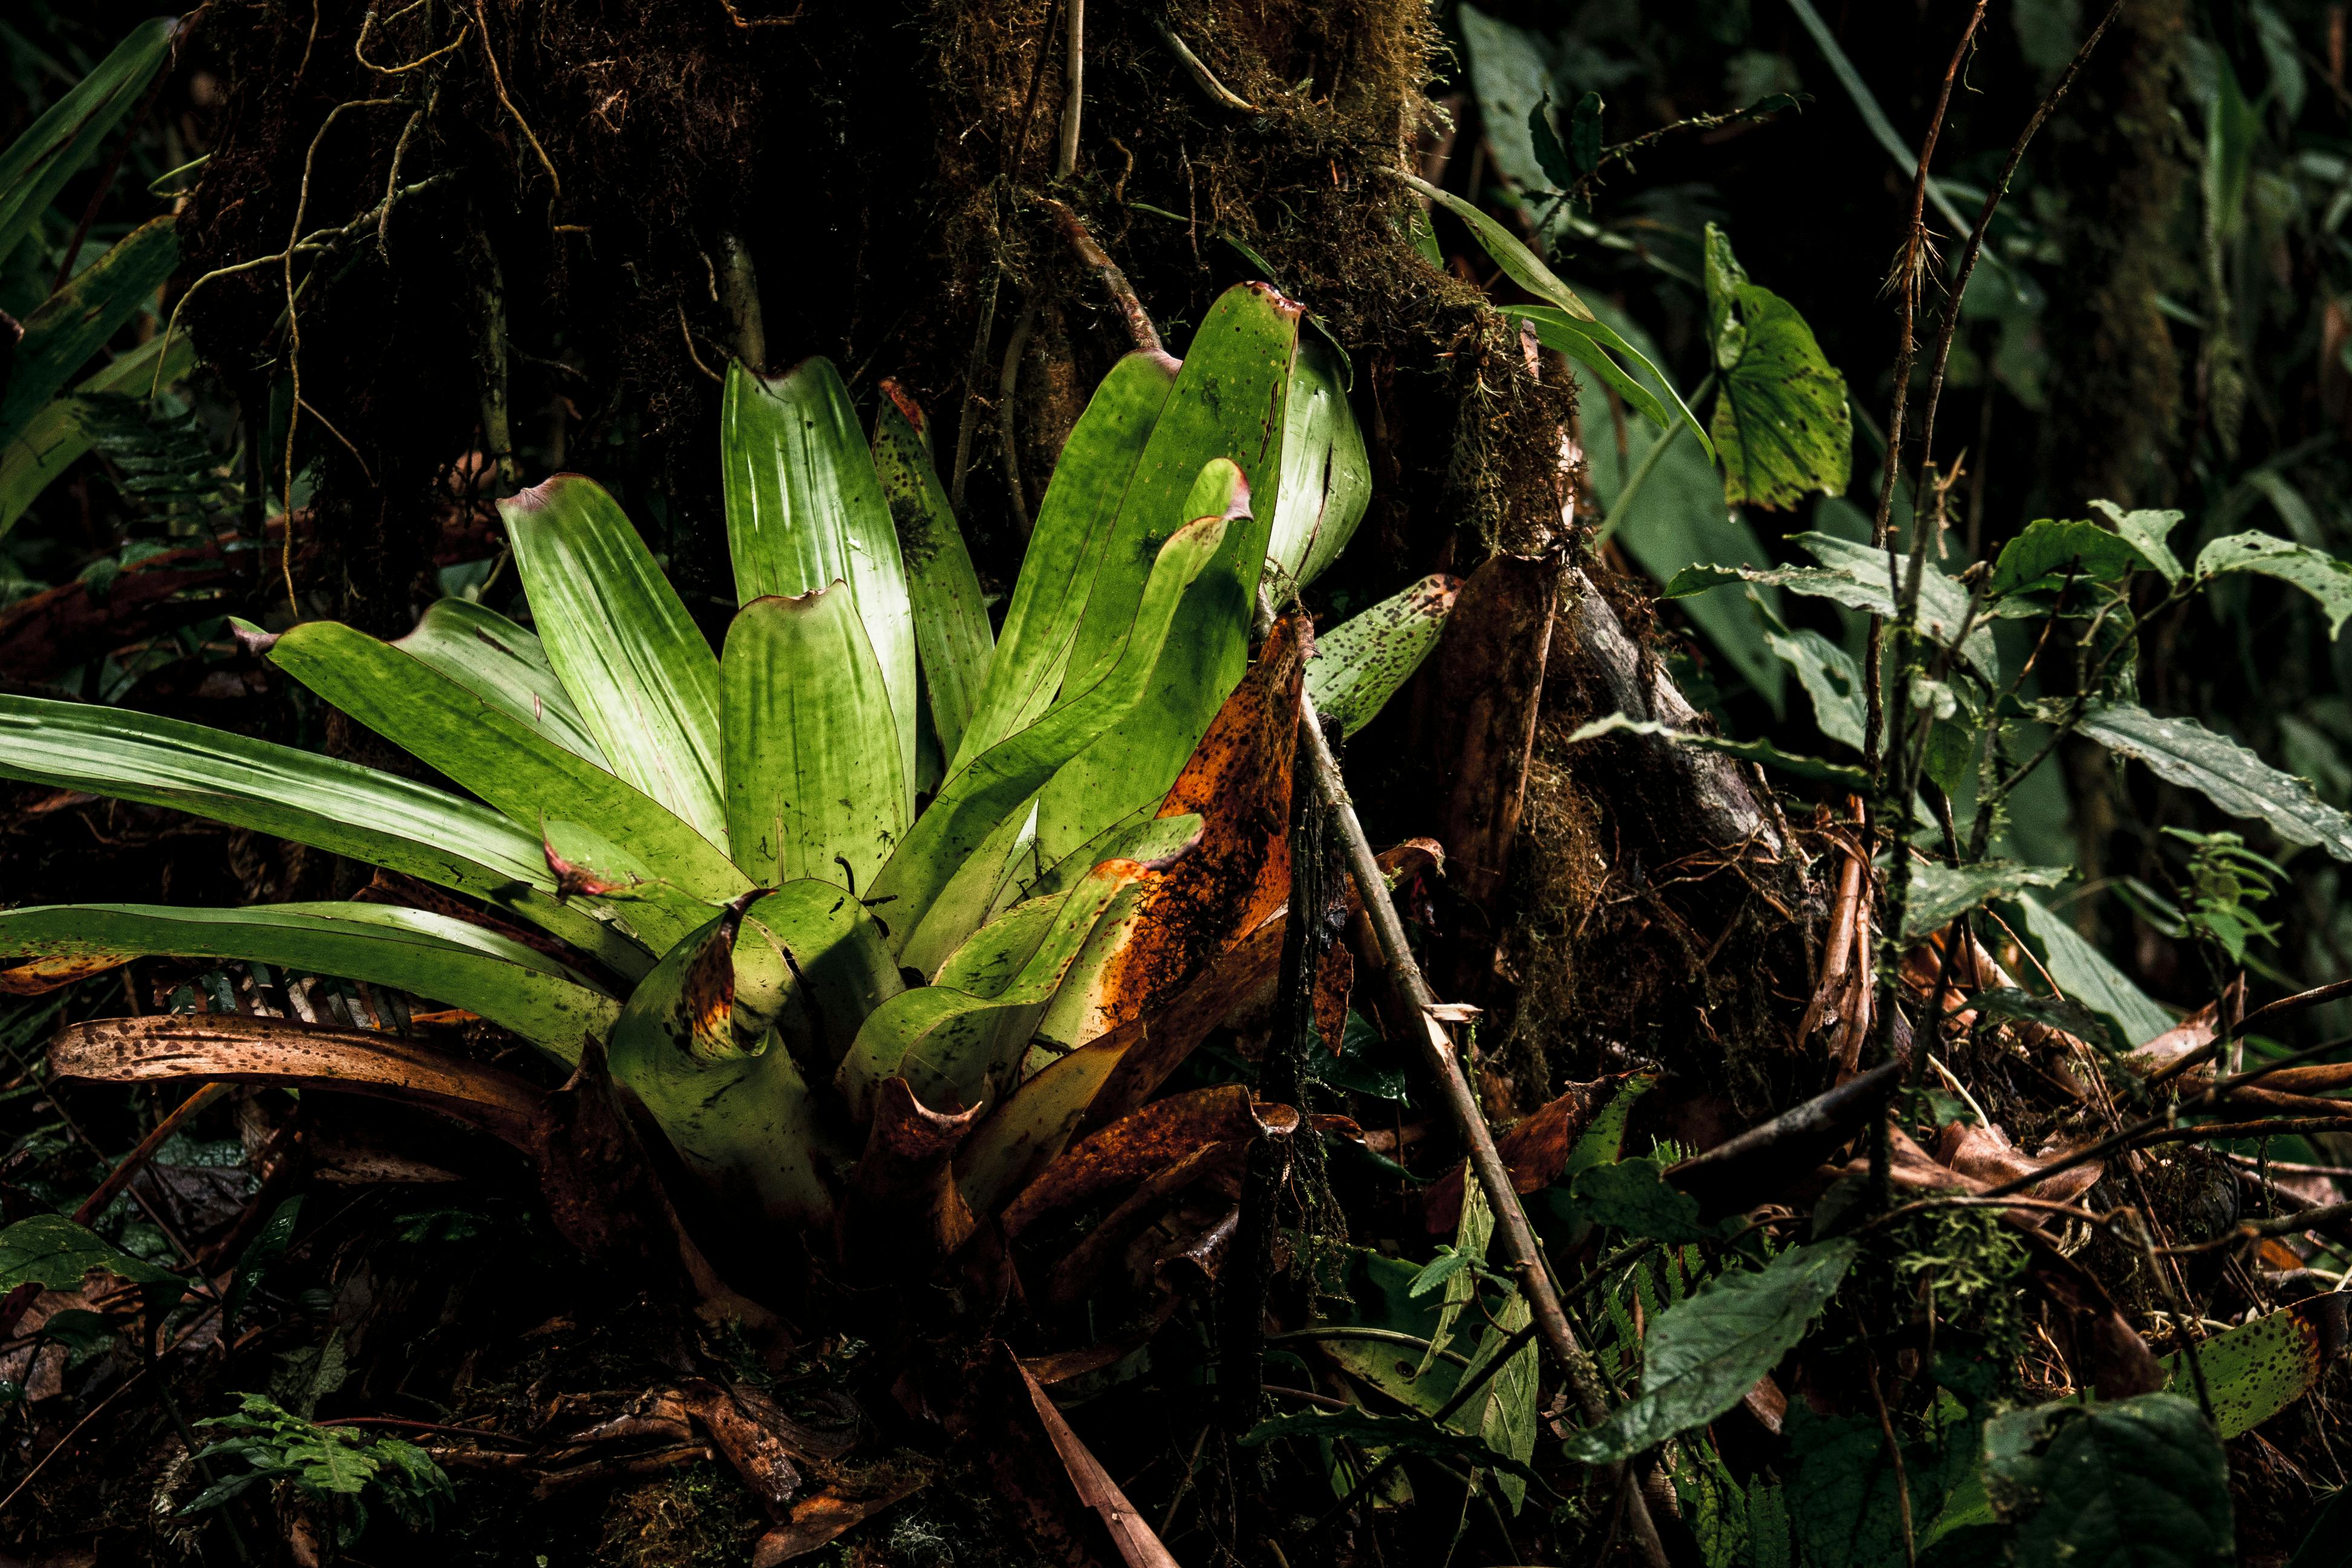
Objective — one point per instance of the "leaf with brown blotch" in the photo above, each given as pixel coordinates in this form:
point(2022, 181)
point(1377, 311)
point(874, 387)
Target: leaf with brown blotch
point(1134, 1538)
point(1151, 1140)
point(233, 1049)
point(1238, 782)
point(758, 1455)
point(1536, 1151)
point(46, 974)
point(903, 1213)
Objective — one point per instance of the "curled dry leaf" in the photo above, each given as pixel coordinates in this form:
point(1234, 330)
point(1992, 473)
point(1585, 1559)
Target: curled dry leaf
point(233, 1049)
point(902, 1193)
point(46, 974)
point(1153, 1138)
point(1985, 1154)
point(1080, 1269)
point(821, 1516)
point(1536, 1150)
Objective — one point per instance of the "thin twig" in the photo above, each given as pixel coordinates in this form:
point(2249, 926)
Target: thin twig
point(1074, 92)
point(499, 82)
point(1008, 382)
point(1201, 73)
point(1139, 329)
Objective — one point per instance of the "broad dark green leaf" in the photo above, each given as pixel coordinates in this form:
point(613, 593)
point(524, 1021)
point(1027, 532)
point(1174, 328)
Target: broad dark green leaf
point(1831, 679)
point(504, 665)
point(2086, 976)
point(1632, 1197)
point(1940, 894)
point(450, 960)
point(1365, 660)
point(1215, 451)
point(1327, 477)
point(983, 792)
point(1504, 1411)
point(1782, 426)
point(2052, 547)
point(2112, 1485)
point(2148, 531)
point(1843, 1498)
point(622, 645)
point(813, 786)
point(951, 617)
point(1404, 1433)
point(2183, 751)
point(52, 1251)
point(2317, 572)
point(1090, 483)
point(1943, 601)
point(75, 323)
point(1677, 516)
point(1995, 1003)
point(319, 801)
point(69, 132)
point(514, 765)
point(1702, 1354)
point(805, 509)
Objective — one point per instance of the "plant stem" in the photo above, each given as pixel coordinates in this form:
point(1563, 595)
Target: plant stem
point(1440, 1054)
point(1640, 474)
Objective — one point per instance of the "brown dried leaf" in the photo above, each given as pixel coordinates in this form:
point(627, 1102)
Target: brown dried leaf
point(903, 1212)
point(824, 1516)
point(1153, 1138)
point(1536, 1150)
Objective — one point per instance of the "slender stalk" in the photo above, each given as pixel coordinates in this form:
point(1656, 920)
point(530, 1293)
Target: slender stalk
point(1074, 92)
point(1642, 470)
point(1443, 1059)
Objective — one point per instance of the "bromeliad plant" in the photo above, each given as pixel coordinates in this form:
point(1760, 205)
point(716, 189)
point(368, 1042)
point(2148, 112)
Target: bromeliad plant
point(852, 866)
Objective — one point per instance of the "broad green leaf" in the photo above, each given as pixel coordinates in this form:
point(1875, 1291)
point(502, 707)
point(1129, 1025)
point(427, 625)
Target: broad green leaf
point(1943, 601)
point(2183, 751)
point(52, 1251)
point(813, 786)
point(990, 958)
point(957, 1049)
point(2258, 1369)
point(1843, 1498)
point(805, 509)
point(1504, 1411)
point(70, 131)
point(1830, 677)
point(622, 645)
point(327, 804)
point(2317, 572)
point(57, 433)
point(1215, 451)
point(975, 892)
point(1146, 837)
point(1473, 1231)
point(450, 960)
point(504, 665)
point(2052, 547)
point(1379, 1293)
point(1940, 894)
point(510, 764)
point(951, 617)
point(1666, 501)
point(75, 323)
point(2148, 531)
point(983, 792)
point(1632, 1196)
point(1362, 662)
point(1327, 479)
point(1581, 333)
point(1511, 79)
point(1090, 483)
point(2083, 974)
point(1703, 1353)
point(2112, 1485)
point(1782, 426)
point(1761, 752)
